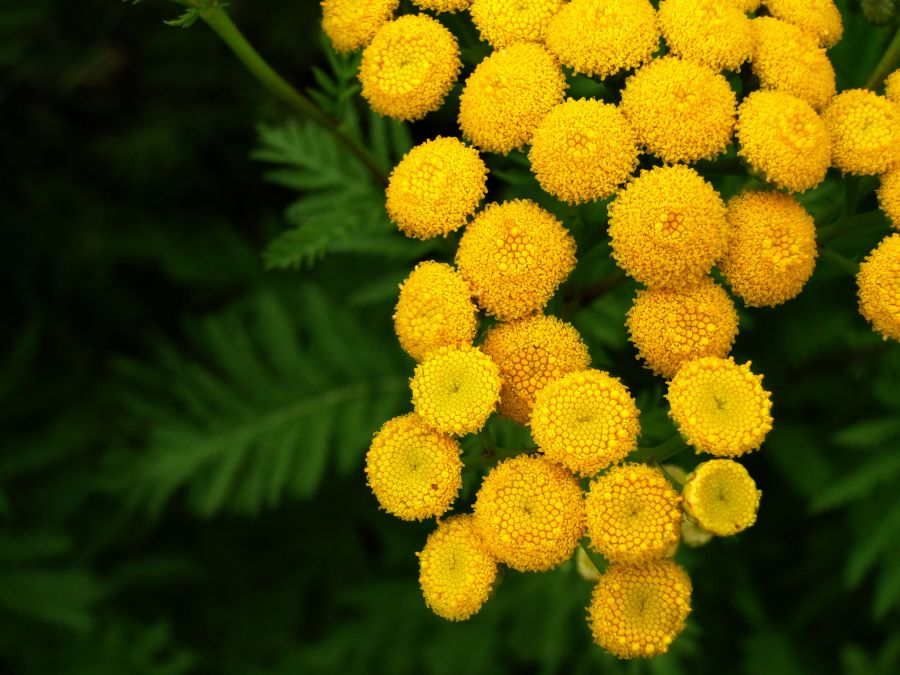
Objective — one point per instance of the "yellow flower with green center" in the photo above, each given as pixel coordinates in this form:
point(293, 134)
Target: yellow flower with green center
point(709, 32)
point(820, 18)
point(721, 497)
point(865, 132)
point(878, 283)
point(351, 24)
point(505, 22)
point(889, 195)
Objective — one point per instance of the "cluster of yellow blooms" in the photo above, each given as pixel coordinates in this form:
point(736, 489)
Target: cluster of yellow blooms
point(587, 486)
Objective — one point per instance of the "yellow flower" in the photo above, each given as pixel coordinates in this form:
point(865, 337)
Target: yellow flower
point(892, 86)
point(529, 513)
point(409, 67)
point(771, 248)
point(351, 24)
point(505, 22)
point(585, 421)
point(879, 287)
point(531, 353)
point(691, 533)
point(720, 407)
point(601, 37)
point(783, 138)
point(443, 5)
point(681, 111)
point(710, 32)
point(790, 60)
point(638, 610)
point(507, 96)
point(721, 497)
point(669, 328)
point(456, 389)
point(583, 150)
point(889, 195)
point(414, 471)
point(820, 18)
point(436, 187)
point(865, 132)
point(514, 255)
point(667, 227)
point(434, 310)
point(456, 573)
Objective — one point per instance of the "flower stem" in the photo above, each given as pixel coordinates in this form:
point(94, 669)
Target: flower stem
point(863, 223)
point(668, 448)
point(888, 63)
point(839, 260)
point(723, 166)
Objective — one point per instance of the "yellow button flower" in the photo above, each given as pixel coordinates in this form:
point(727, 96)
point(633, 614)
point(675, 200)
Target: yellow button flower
point(351, 24)
point(889, 195)
point(878, 282)
point(710, 32)
point(721, 497)
point(865, 132)
point(820, 18)
point(505, 22)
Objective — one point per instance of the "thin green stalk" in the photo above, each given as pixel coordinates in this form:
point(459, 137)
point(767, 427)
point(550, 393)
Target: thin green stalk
point(835, 258)
point(668, 448)
point(863, 223)
point(888, 63)
point(599, 562)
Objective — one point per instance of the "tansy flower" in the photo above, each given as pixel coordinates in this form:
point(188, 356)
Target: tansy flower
point(583, 150)
point(585, 421)
point(529, 513)
point(892, 86)
point(865, 132)
point(531, 353)
point(638, 610)
point(434, 310)
point(435, 188)
point(443, 5)
point(414, 471)
point(889, 195)
point(456, 573)
point(691, 533)
point(507, 96)
point(514, 255)
point(505, 22)
point(601, 37)
point(710, 32)
point(879, 287)
point(351, 24)
point(721, 497)
point(820, 18)
point(409, 67)
point(681, 111)
point(720, 407)
point(667, 227)
point(771, 248)
point(783, 138)
point(669, 328)
point(456, 389)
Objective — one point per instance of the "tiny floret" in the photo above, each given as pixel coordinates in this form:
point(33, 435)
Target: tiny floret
point(505, 22)
point(710, 32)
point(721, 497)
point(865, 132)
point(820, 18)
point(879, 287)
point(889, 195)
point(351, 24)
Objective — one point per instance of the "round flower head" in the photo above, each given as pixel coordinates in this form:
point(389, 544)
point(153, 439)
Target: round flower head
point(820, 18)
point(710, 32)
point(514, 255)
point(585, 421)
point(879, 287)
point(531, 353)
point(443, 5)
point(583, 150)
point(456, 573)
point(667, 227)
point(771, 248)
point(507, 96)
point(456, 389)
point(601, 37)
point(720, 407)
point(529, 513)
point(865, 132)
point(892, 86)
point(669, 328)
point(783, 138)
point(434, 310)
point(414, 471)
point(889, 195)
point(638, 610)
point(790, 60)
point(681, 111)
point(435, 188)
point(505, 22)
point(351, 24)
point(721, 497)
point(409, 67)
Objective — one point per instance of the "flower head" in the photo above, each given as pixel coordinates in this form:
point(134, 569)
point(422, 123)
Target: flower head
point(443, 5)
point(710, 32)
point(879, 287)
point(865, 132)
point(505, 22)
point(820, 18)
point(892, 86)
point(889, 195)
point(351, 24)
point(721, 497)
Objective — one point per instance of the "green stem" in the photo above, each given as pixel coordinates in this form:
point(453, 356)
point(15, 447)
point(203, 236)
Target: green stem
point(863, 223)
point(668, 448)
point(723, 166)
point(888, 63)
point(599, 562)
point(839, 260)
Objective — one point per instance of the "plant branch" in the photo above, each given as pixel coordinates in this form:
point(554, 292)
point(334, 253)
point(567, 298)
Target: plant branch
point(835, 258)
point(888, 63)
point(659, 453)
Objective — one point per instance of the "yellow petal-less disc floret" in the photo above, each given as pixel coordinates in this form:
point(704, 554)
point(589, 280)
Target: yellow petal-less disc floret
point(434, 310)
point(667, 227)
point(771, 248)
point(892, 87)
point(414, 471)
point(783, 139)
point(456, 389)
point(583, 150)
point(531, 353)
point(408, 68)
point(720, 407)
point(820, 18)
point(878, 282)
point(505, 22)
point(435, 188)
point(514, 255)
point(865, 132)
point(710, 32)
point(721, 497)
point(889, 195)
point(638, 610)
point(507, 96)
point(602, 37)
point(669, 328)
point(530, 513)
point(585, 421)
point(351, 24)
point(681, 111)
point(443, 5)
point(456, 573)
